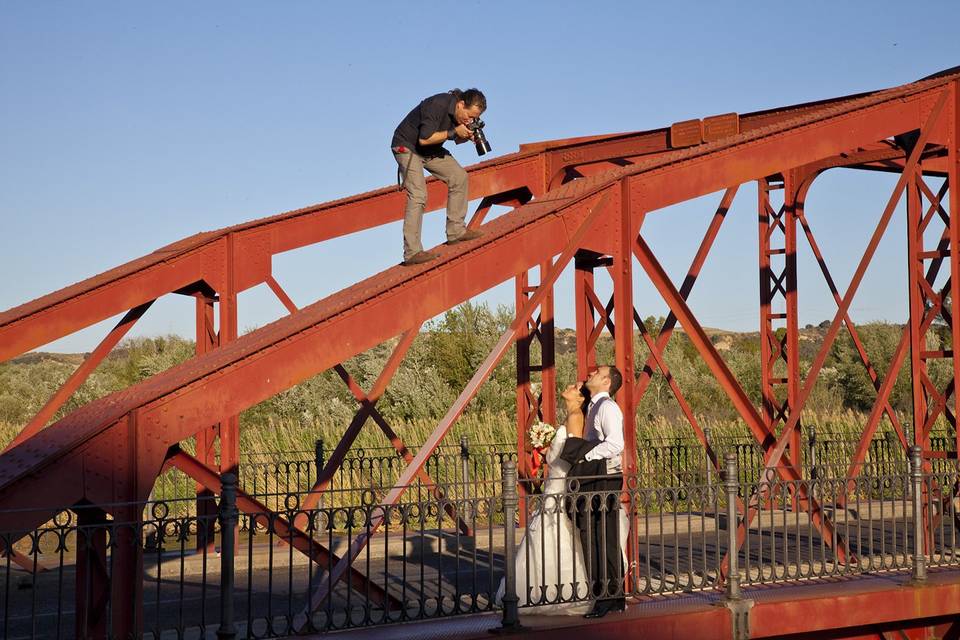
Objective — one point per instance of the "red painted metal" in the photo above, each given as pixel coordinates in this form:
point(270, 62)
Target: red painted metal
point(622, 273)
point(206, 437)
point(656, 348)
point(774, 454)
point(230, 427)
point(367, 410)
point(534, 403)
point(111, 450)
point(92, 574)
point(528, 405)
point(717, 145)
point(657, 356)
point(953, 180)
point(930, 121)
point(779, 331)
point(883, 391)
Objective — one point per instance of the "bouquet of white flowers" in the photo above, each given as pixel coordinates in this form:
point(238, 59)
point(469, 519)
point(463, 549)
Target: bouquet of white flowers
point(541, 435)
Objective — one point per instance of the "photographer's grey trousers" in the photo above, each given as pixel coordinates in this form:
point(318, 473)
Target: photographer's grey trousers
point(444, 168)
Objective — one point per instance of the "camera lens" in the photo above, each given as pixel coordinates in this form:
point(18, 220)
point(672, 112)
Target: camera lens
point(480, 140)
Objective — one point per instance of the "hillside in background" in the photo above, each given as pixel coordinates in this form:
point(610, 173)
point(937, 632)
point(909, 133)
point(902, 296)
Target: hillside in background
point(446, 354)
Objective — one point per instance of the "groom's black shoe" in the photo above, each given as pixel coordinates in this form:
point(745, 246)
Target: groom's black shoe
point(603, 607)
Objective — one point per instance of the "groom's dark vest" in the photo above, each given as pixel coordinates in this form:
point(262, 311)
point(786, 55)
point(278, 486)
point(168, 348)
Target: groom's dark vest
point(574, 449)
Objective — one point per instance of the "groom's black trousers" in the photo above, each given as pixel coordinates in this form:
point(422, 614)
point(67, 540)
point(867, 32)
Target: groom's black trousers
point(596, 512)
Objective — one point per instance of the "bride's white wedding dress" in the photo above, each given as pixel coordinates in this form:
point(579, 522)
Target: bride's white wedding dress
point(549, 563)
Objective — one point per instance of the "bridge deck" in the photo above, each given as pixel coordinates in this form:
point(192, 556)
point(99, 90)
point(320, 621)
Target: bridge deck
point(867, 604)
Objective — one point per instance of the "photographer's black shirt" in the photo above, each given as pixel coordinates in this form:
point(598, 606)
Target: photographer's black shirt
point(435, 113)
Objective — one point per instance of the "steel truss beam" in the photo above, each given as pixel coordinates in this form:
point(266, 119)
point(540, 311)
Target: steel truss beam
point(773, 455)
point(206, 439)
point(928, 401)
point(621, 271)
point(588, 327)
point(92, 574)
point(953, 181)
point(776, 453)
point(779, 345)
point(534, 404)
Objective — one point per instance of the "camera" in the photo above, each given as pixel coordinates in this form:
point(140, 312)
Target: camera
point(478, 138)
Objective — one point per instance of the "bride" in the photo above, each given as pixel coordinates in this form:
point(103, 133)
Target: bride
point(550, 571)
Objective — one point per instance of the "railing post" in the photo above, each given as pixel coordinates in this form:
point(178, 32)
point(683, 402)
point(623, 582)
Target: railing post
point(891, 454)
point(812, 457)
point(465, 478)
point(916, 482)
point(464, 459)
point(319, 457)
point(731, 483)
point(228, 522)
point(706, 456)
point(510, 497)
point(812, 451)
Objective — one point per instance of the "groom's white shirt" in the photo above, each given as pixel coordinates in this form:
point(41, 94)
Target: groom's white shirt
point(604, 422)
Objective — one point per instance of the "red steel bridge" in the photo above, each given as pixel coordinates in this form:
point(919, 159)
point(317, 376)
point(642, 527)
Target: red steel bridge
point(577, 203)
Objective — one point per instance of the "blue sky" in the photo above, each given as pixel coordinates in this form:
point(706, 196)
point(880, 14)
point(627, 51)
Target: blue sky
point(126, 126)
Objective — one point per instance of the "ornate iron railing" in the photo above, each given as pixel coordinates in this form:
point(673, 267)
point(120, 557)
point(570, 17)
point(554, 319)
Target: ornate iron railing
point(448, 553)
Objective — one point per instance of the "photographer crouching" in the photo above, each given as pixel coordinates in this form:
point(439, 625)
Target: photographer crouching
point(418, 144)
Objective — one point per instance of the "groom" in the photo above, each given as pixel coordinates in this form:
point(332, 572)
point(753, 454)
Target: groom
point(597, 454)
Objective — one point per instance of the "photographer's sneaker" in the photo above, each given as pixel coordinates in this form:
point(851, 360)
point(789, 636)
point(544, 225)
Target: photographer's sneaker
point(469, 234)
point(419, 258)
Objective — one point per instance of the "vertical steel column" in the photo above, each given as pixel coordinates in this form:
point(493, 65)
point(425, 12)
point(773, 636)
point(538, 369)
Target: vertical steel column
point(792, 205)
point(126, 543)
point(953, 184)
point(768, 397)
point(548, 359)
point(779, 346)
point(583, 282)
point(624, 356)
point(230, 427)
point(916, 302)
point(525, 413)
point(206, 438)
point(532, 406)
point(92, 577)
